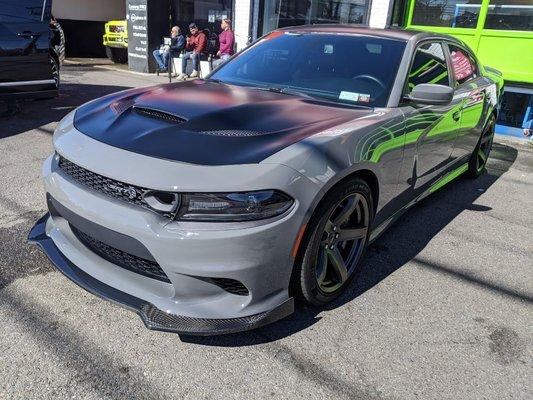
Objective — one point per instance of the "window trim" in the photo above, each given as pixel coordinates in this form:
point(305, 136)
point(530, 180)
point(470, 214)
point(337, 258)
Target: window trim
point(405, 85)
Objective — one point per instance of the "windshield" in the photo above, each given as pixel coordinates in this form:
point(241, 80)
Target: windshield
point(349, 69)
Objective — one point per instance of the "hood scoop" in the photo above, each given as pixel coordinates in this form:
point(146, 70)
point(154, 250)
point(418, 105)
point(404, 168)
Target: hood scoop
point(158, 114)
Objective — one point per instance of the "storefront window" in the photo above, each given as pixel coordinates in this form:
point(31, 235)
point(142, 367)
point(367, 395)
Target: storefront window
point(282, 13)
point(507, 15)
point(207, 14)
point(447, 13)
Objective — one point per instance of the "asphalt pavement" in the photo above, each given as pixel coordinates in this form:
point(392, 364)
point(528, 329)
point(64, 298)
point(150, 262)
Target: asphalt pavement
point(443, 309)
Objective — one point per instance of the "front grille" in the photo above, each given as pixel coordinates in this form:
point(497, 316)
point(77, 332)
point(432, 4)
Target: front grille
point(157, 114)
point(118, 257)
point(110, 187)
point(231, 286)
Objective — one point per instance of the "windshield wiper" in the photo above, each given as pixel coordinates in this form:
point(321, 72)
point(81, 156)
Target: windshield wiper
point(214, 80)
point(285, 90)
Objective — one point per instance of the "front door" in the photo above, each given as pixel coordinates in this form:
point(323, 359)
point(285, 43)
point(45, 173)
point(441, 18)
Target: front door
point(430, 130)
point(24, 45)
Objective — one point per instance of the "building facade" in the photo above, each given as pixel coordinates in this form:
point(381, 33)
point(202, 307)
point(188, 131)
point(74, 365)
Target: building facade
point(499, 31)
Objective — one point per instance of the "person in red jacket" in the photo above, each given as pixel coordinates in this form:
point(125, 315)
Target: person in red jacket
point(196, 44)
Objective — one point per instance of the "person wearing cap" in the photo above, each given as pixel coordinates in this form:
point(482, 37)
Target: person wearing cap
point(196, 44)
point(227, 41)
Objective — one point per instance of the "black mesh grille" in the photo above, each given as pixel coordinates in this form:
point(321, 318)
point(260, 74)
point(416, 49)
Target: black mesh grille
point(110, 187)
point(231, 286)
point(165, 116)
point(121, 258)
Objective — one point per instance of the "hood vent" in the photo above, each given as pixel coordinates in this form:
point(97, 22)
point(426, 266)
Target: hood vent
point(157, 114)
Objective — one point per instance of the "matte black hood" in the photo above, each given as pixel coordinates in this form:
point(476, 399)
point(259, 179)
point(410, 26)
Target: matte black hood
point(207, 123)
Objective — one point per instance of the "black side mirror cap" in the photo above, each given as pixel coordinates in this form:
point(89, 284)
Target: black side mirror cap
point(432, 94)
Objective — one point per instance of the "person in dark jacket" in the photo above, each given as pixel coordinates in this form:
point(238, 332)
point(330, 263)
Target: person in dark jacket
point(177, 43)
point(196, 44)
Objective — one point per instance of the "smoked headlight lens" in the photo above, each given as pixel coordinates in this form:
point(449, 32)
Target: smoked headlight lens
point(228, 207)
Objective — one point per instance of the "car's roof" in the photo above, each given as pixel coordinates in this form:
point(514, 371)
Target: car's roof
point(391, 33)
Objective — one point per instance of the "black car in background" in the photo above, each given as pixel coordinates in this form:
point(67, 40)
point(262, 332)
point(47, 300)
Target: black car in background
point(30, 55)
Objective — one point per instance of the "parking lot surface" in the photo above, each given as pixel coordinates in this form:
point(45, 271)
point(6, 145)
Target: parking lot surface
point(443, 309)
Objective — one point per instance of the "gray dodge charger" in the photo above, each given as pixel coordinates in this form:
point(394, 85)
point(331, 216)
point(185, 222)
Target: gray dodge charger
point(210, 206)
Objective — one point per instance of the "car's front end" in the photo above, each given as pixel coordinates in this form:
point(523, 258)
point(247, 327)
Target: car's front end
point(116, 34)
point(193, 247)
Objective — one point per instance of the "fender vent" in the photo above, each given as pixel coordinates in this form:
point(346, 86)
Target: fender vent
point(157, 114)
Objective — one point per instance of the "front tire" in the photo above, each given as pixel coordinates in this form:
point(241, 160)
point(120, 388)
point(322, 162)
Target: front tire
point(117, 55)
point(479, 157)
point(336, 239)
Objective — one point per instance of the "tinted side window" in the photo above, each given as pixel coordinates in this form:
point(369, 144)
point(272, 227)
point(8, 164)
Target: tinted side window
point(429, 66)
point(22, 10)
point(464, 66)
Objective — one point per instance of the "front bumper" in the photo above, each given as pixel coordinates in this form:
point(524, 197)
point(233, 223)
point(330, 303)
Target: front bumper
point(197, 258)
point(153, 317)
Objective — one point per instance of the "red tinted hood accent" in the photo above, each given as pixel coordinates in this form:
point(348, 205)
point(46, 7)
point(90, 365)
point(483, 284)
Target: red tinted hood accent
point(207, 123)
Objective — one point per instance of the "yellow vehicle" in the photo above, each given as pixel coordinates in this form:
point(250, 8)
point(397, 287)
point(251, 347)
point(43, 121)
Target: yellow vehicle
point(116, 41)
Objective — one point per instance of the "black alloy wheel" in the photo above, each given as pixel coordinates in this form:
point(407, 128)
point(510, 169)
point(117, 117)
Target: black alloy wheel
point(335, 243)
point(481, 153)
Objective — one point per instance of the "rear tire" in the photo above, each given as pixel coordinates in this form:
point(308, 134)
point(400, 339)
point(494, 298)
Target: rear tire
point(479, 157)
point(328, 264)
point(117, 55)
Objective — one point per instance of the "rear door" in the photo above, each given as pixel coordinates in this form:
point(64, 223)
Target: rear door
point(471, 88)
point(430, 130)
point(24, 45)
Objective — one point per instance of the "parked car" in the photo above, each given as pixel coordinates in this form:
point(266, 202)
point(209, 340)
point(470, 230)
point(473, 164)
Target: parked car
point(29, 59)
point(208, 206)
point(116, 41)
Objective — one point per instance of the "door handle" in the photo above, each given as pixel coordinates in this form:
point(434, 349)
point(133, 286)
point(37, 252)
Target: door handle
point(456, 116)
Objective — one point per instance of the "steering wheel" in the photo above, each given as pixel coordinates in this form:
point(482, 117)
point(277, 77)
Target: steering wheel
point(371, 79)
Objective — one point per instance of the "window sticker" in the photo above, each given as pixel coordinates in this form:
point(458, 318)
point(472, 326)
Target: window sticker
point(328, 49)
point(351, 96)
point(364, 98)
point(374, 48)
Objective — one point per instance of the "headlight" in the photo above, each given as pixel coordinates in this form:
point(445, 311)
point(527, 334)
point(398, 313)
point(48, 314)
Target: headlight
point(228, 207)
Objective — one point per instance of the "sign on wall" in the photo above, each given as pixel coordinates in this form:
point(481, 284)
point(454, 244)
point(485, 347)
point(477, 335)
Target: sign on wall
point(148, 23)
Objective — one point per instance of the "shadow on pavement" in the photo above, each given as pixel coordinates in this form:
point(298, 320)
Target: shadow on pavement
point(37, 113)
point(399, 245)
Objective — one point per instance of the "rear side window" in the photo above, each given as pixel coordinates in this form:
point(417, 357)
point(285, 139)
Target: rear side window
point(463, 65)
point(429, 66)
point(20, 11)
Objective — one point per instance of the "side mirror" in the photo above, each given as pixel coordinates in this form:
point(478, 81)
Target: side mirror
point(432, 94)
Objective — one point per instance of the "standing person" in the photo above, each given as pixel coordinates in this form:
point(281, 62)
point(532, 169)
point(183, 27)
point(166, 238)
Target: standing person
point(177, 43)
point(227, 41)
point(196, 44)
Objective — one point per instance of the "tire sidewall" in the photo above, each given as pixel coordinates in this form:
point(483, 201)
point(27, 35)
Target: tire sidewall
point(473, 172)
point(308, 283)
